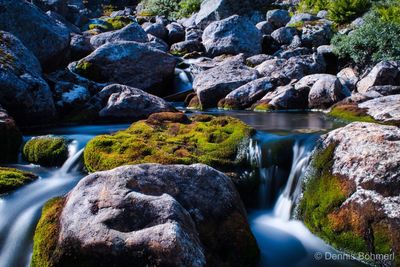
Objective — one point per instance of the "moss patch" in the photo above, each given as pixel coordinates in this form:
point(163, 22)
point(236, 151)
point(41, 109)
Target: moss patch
point(45, 250)
point(11, 179)
point(263, 107)
point(46, 151)
point(170, 138)
point(119, 22)
point(351, 112)
point(88, 70)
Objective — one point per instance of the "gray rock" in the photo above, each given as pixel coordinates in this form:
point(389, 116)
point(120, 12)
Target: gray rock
point(59, 6)
point(278, 17)
point(155, 215)
point(284, 35)
point(317, 34)
point(385, 109)
point(69, 96)
point(187, 47)
point(80, 46)
point(246, 95)
point(24, 93)
point(232, 35)
point(60, 19)
point(296, 52)
point(176, 33)
point(384, 73)
point(323, 14)
point(157, 43)
point(193, 34)
point(384, 90)
point(44, 36)
point(214, 84)
point(301, 17)
point(265, 27)
point(348, 77)
point(132, 32)
point(357, 23)
point(130, 63)
point(257, 60)
point(158, 30)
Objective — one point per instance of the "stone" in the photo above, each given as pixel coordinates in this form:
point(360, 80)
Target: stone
point(301, 17)
point(187, 47)
point(176, 33)
point(233, 35)
point(257, 60)
point(278, 17)
point(158, 30)
point(284, 35)
point(348, 77)
point(265, 27)
point(80, 46)
point(384, 73)
point(10, 137)
point(47, 151)
point(385, 109)
point(69, 96)
point(317, 33)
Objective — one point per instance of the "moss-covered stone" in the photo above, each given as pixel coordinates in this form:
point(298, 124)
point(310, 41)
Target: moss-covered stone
point(89, 70)
point(263, 107)
point(350, 113)
point(11, 179)
point(119, 22)
point(46, 151)
point(172, 138)
point(45, 250)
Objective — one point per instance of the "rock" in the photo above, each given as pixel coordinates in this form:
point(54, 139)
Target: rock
point(232, 35)
point(193, 34)
point(323, 14)
point(317, 33)
point(296, 52)
point(130, 63)
point(358, 168)
point(10, 138)
point(384, 90)
point(213, 10)
point(80, 46)
point(265, 27)
point(383, 109)
point(186, 47)
point(44, 36)
point(283, 98)
point(123, 103)
point(70, 96)
point(149, 214)
point(284, 35)
point(278, 17)
point(158, 30)
point(357, 23)
point(257, 60)
point(176, 33)
point(301, 17)
point(246, 95)
point(348, 77)
point(59, 6)
point(24, 93)
point(46, 151)
point(158, 43)
point(384, 73)
point(132, 32)
point(11, 179)
point(214, 84)
point(60, 19)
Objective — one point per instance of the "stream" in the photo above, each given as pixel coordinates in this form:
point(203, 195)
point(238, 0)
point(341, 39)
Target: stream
point(281, 150)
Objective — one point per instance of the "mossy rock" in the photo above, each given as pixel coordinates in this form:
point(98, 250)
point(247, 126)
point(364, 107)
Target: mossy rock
point(350, 113)
point(110, 24)
point(11, 179)
point(89, 70)
point(172, 138)
point(46, 151)
point(263, 107)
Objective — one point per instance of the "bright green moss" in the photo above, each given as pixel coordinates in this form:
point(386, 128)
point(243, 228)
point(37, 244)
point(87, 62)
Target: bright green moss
point(88, 70)
point(118, 22)
point(263, 107)
point(215, 141)
point(351, 113)
point(46, 151)
point(11, 179)
point(46, 235)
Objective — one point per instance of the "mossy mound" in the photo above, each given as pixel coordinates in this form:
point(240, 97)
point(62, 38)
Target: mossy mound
point(11, 179)
point(351, 112)
point(46, 151)
point(172, 138)
point(45, 251)
point(110, 24)
point(89, 70)
point(262, 106)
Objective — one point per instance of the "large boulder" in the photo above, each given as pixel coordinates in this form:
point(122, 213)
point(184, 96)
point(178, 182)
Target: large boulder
point(24, 93)
point(214, 84)
point(10, 137)
point(278, 17)
point(213, 10)
point(130, 63)
point(233, 35)
point(351, 196)
point(132, 32)
point(149, 215)
point(317, 33)
point(384, 73)
point(44, 36)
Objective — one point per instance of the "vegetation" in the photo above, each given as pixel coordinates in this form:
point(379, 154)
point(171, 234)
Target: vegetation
point(171, 138)
point(110, 24)
point(88, 70)
point(11, 179)
point(171, 8)
point(351, 112)
point(46, 151)
point(263, 106)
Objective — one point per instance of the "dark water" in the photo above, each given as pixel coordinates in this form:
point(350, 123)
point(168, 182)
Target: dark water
point(281, 150)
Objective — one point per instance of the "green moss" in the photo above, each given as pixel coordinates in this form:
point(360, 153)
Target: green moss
point(45, 248)
point(88, 70)
point(215, 142)
point(263, 107)
point(11, 179)
point(382, 242)
point(350, 113)
point(46, 151)
point(118, 22)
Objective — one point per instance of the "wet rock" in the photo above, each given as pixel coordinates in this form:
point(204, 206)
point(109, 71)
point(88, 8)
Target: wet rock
point(152, 215)
point(130, 63)
point(384, 73)
point(46, 151)
point(44, 36)
point(284, 35)
point(10, 137)
point(214, 84)
point(232, 35)
point(132, 32)
point(278, 17)
point(246, 95)
point(24, 93)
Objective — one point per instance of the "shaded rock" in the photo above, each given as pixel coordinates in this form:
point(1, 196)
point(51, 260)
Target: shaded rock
point(44, 36)
point(10, 138)
point(265, 27)
point(156, 215)
point(348, 77)
point(80, 46)
point(317, 33)
point(60, 19)
point(24, 93)
point(278, 17)
point(284, 35)
point(157, 43)
point(257, 60)
point(69, 96)
point(158, 30)
point(232, 35)
point(193, 33)
point(132, 32)
point(187, 47)
point(214, 84)
point(46, 151)
point(384, 90)
point(244, 96)
point(384, 73)
point(130, 63)
point(59, 6)
point(176, 33)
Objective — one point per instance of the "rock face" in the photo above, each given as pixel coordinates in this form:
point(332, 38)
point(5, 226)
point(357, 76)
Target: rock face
point(352, 195)
point(24, 93)
point(384, 73)
point(132, 32)
point(130, 63)
point(10, 137)
point(41, 34)
point(214, 84)
point(232, 35)
point(384, 109)
point(121, 102)
point(150, 214)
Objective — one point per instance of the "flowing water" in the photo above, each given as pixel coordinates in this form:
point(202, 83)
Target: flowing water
point(280, 150)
